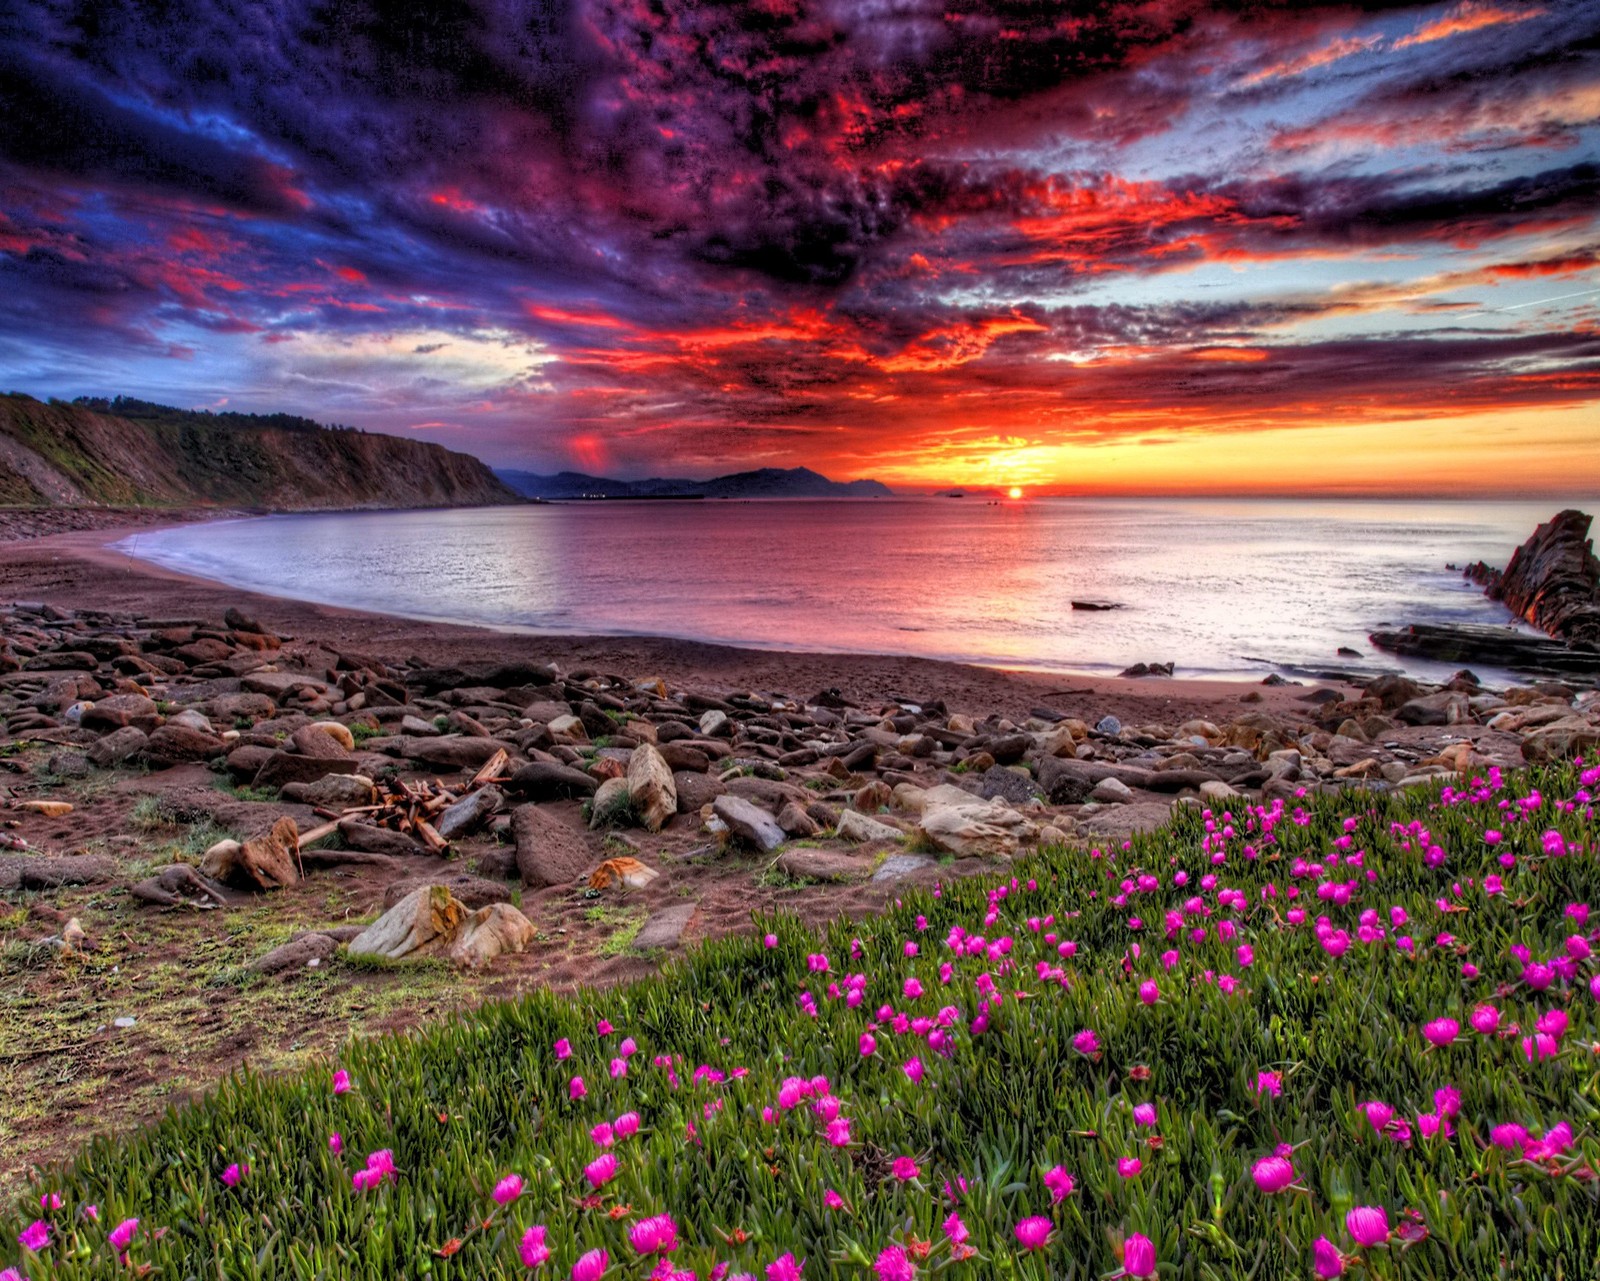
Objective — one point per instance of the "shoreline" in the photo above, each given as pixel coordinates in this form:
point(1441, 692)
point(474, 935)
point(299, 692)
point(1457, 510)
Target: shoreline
point(76, 566)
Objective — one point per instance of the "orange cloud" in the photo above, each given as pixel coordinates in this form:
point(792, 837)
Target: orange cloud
point(1469, 15)
point(1329, 53)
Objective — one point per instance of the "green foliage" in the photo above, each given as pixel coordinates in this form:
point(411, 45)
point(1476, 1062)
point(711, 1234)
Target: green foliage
point(485, 1093)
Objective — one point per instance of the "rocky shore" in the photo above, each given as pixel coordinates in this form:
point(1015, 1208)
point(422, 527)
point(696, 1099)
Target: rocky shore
point(317, 759)
point(237, 830)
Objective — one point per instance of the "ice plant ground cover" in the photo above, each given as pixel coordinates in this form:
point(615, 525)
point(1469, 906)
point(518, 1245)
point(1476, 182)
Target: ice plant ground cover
point(1348, 1034)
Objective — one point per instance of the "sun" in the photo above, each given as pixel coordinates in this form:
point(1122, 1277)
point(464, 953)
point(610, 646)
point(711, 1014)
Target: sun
point(1016, 491)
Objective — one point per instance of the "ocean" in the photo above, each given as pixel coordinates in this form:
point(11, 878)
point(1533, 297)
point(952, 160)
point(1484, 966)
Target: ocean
point(1221, 588)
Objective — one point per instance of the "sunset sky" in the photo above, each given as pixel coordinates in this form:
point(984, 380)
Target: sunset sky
point(1146, 247)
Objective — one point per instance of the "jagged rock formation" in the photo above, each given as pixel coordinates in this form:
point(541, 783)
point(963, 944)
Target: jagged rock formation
point(71, 455)
point(1552, 581)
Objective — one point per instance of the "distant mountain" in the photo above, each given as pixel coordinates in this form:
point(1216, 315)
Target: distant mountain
point(766, 482)
point(129, 453)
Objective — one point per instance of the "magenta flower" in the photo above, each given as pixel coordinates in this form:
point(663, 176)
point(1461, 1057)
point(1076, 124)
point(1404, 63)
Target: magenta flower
point(601, 1170)
point(626, 1125)
point(604, 1134)
point(1059, 1182)
point(1149, 991)
point(534, 1251)
point(785, 1268)
point(1368, 1224)
point(955, 1229)
point(1139, 1256)
point(508, 1189)
point(655, 1235)
point(832, 1200)
point(1326, 1260)
point(576, 1089)
point(894, 1265)
point(839, 1131)
point(914, 1070)
point(1272, 1174)
point(341, 1082)
point(1485, 1019)
point(1033, 1233)
point(905, 1168)
point(36, 1236)
point(336, 1143)
point(1086, 1042)
point(1440, 1032)
point(1144, 1114)
point(563, 1049)
point(235, 1172)
point(1129, 1166)
point(121, 1236)
point(867, 1045)
point(591, 1266)
point(771, 940)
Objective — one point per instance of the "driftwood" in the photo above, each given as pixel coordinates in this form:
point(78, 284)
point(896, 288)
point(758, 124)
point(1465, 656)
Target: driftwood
point(348, 858)
point(179, 885)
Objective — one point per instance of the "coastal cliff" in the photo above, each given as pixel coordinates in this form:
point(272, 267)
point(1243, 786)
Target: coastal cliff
point(76, 455)
point(1552, 580)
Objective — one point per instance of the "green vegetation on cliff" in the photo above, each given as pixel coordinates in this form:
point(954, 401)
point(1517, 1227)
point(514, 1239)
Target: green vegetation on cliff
point(128, 453)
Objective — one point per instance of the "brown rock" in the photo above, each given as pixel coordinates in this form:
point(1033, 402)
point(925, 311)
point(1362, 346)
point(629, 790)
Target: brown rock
point(173, 745)
point(473, 891)
point(549, 852)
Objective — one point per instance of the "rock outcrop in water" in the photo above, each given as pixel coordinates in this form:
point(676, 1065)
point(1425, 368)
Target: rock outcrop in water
point(1553, 580)
point(61, 455)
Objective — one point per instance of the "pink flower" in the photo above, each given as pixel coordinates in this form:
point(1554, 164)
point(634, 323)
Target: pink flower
point(1440, 1032)
point(1129, 1166)
point(1368, 1224)
point(1149, 991)
point(832, 1200)
point(604, 1135)
point(839, 1131)
point(601, 1170)
point(121, 1236)
point(1485, 1019)
point(771, 940)
point(1326, 1260)
point(1144, 1114)
point(336, 1143)
point(534, 1251)
point(235, 1172)
point(914, 1070)
point(508, 1189)
point(785, 1268)
point(867, 1045)
point(905, 1168)
point(655, 1235)
point(576, 1089)
point(341, 1082)
point(1272, 1174)
point(626, 1125)
point(603, 1027)
point(1059, 1182)
point(1034, 1233)
point(1139, 1256)
point(35, 1236)
point(894, 1265)
point(591, 1266)
point(1086, 1042)
point(1269, 1083)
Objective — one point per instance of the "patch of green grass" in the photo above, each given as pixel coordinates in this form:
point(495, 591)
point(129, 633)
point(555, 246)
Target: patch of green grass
point(361, 732)
point(621, 939)
point(1333, 1010)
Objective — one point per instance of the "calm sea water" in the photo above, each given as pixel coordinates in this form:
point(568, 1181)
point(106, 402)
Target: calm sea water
point(1231, 588)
